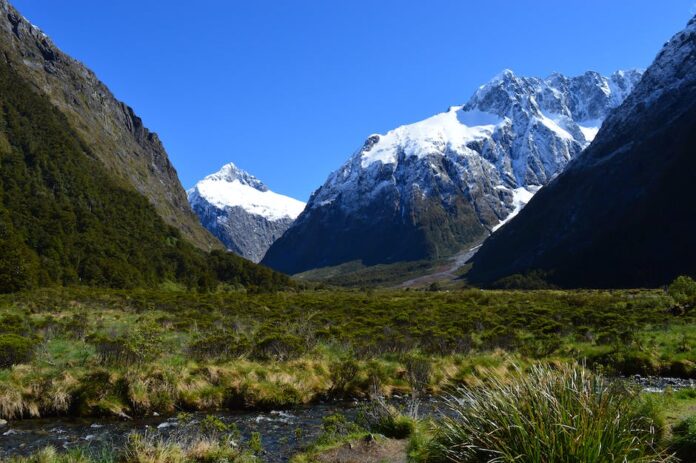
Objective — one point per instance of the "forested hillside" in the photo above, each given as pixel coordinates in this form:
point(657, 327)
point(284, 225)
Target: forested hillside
point(65, 220)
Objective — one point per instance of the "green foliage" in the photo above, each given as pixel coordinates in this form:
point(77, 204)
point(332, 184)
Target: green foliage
point(527, 281)
point(218, 345)
point(255, 444)
point(545, 414)
point(337, 425)
point(683, 290)
point(379, 417)
point(343, 373)
point(15, 349)
point(684, 439)
point(65, 220)
point(279, 347)
point(134, 352)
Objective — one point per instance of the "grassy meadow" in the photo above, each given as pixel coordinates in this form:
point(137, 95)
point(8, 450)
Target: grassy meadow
point(93, 352)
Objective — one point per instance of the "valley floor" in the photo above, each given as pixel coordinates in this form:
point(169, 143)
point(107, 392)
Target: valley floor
point(96, 352)
point(129, 354)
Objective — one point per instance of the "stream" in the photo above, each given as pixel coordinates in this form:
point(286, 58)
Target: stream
point(283, 433)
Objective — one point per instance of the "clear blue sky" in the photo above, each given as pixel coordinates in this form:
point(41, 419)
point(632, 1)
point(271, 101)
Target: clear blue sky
point(288, 90)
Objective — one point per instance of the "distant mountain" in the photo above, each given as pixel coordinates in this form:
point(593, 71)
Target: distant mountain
point(242, 212)
point(428, 189)
point(111, 129)
point(622, 213)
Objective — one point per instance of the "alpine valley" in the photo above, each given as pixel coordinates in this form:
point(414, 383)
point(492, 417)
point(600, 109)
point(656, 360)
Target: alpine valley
point(511, 280)
point(432, 188)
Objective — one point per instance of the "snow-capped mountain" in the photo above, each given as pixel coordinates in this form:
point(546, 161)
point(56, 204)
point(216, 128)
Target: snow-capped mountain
point(241, 211)
point(621, 214)
point(427, 189)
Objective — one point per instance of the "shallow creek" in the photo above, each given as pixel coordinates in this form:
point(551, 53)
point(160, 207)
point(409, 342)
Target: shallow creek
point(283, 433)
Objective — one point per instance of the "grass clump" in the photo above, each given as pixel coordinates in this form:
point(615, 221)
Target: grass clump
point(548, 415)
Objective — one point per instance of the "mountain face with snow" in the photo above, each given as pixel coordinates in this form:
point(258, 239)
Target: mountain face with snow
point(242, 212)
point(426, 190)
point(621, 214)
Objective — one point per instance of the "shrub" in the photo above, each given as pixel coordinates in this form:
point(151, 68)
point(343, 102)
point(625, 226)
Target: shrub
point(684, 439)
point(116, 350)
point(342, 375)
point(564, 415)
point(15, 349)
point(279, 347)
point(337, 425)
point(218, 346)
point(683, 290)
point(380, 417)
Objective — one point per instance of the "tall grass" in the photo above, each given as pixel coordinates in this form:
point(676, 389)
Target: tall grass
point(564, 414)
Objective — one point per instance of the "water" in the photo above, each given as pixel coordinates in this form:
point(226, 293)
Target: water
point(283, 433)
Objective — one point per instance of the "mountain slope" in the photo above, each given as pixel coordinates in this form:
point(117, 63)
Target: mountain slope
point(113, 132)
point(621, 214)
point(242, 212)
point(428, 189)
point(64, 219)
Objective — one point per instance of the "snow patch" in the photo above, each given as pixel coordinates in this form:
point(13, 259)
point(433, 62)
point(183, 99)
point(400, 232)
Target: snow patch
point(454, 128)
point(589, 129)
point(520, 198)
point(553, 124)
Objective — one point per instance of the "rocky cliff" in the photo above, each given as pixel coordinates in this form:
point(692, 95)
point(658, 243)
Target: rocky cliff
point(114, 133)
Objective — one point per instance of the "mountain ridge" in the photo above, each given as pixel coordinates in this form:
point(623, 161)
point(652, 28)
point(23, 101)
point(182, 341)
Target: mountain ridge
point(110, 127)
point(428, 189)
point(614, 217)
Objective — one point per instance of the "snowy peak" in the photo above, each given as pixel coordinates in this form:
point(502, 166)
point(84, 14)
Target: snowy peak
point(233, 187)
point(230, 173)
point(587, 97)
point(514, 132)
point(618, 216)
point(456, 128)
point(241, 211)
point(428, 189)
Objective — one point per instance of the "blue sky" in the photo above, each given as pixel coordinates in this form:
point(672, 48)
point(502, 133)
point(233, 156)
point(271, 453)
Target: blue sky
point(288, 90)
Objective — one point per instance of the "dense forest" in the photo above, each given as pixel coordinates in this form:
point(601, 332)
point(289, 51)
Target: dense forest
point(65, 221)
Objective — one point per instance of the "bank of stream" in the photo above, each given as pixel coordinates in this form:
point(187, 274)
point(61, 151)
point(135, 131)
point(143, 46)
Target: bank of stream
point(283, 432)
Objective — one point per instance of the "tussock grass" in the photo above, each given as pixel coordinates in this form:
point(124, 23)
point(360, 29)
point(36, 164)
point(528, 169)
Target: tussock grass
point(563, 414)
point(137, 352)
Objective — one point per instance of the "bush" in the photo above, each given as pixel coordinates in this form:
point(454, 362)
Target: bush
point(218, 346)
point(382, 418)
point(564, 415)
point(684, 439)
point(114, 351)
point(342, 375)
point(683, 290)
point(279, 347)
point(15, 349)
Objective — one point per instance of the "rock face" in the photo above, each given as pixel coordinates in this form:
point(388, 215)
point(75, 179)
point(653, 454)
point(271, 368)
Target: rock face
point(242, 212)
point(620, 214)
point(428, 189)
point(114, 133)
